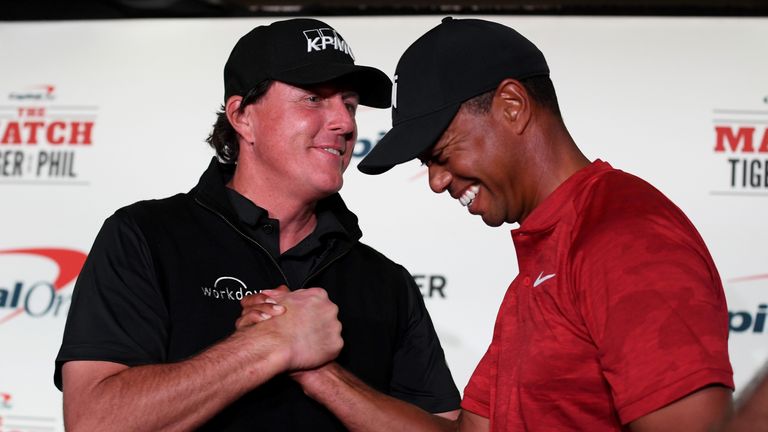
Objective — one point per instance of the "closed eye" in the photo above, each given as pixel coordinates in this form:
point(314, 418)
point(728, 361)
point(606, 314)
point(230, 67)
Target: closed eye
point(351, 107)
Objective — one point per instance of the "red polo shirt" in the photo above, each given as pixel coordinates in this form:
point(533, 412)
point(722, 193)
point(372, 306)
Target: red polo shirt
point(618, 310)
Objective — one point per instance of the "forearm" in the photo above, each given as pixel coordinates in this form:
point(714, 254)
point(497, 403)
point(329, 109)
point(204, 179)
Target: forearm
point(705, 409)
point(168, 397)
point(363, 409)
point(752, 411)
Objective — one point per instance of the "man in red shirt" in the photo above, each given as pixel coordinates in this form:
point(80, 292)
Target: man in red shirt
point(617, 319)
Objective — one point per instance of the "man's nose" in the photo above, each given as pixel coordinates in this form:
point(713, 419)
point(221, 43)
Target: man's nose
point(439, 178)
point(342, 120)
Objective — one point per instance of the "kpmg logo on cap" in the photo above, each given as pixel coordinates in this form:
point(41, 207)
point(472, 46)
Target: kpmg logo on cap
point(324, 38)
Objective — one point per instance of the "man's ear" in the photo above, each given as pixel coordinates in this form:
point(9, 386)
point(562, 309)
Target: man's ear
point(238, 118)
point(511, 100)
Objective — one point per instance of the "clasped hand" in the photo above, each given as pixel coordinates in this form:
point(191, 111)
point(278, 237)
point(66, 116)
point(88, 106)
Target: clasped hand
point(304, 321)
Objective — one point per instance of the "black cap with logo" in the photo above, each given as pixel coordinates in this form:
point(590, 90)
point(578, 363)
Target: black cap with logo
point(455, 61)
point(301, 51)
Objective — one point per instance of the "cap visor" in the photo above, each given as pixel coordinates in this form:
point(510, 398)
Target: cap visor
point(373, 85)
point(407, 140)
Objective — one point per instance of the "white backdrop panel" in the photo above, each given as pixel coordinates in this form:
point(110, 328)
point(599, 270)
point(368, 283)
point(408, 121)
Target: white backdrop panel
point(645, 94)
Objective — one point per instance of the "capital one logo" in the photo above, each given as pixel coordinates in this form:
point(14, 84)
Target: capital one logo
point(38, 298)
point(37, 92)
point(324, 38)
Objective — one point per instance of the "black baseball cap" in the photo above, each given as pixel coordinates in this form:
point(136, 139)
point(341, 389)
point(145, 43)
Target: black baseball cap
point(455, 61)
point(301, 51)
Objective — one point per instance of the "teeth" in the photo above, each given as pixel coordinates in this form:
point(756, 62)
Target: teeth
point(469, 195)
point(332, 151)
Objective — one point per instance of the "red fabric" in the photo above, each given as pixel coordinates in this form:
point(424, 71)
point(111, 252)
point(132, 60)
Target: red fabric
point(617, 311)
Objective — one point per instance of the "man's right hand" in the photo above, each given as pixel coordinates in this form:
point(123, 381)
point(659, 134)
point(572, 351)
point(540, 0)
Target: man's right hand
point(102, 395)
point(307, 329)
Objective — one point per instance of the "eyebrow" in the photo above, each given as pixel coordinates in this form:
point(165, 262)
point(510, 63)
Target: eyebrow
point(429, 154)
point(322, 89)
point(350, 94)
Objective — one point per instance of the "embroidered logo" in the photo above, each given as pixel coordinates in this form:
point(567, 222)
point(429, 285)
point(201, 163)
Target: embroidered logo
point(394, 92)
point(542, 278)
point(228, 288)
point(324, 38)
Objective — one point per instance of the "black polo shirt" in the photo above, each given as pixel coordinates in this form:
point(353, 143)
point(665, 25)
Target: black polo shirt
point(297, 262)
point(163, 282)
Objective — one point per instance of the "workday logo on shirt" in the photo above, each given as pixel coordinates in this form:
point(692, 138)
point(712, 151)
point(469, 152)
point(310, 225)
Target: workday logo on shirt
point(228, 288)
point(326, 38)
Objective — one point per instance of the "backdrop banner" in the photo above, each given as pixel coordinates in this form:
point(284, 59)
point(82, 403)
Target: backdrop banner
point(95, 115)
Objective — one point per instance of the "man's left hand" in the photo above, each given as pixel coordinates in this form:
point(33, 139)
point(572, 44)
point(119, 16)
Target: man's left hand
point(260, 307)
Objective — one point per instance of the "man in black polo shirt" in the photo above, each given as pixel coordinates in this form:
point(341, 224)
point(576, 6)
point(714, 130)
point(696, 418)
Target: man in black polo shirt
point(163, 332)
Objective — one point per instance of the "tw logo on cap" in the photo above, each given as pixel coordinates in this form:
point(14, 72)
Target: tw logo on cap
point(394, 92)
point(324, 38)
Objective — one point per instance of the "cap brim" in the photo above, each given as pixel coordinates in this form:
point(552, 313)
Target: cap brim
point(408, 140)
point(373, 85)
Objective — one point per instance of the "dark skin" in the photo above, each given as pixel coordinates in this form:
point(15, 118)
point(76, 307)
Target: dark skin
point(517, 154)
point(752, 413)
point(514, 156)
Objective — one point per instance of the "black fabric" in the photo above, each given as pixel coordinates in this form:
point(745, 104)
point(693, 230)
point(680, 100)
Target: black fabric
point(301, 51)
point(479, 55)
point(298, 262)
point(162, 283)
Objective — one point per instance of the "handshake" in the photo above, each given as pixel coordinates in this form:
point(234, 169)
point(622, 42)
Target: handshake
point(302, 324)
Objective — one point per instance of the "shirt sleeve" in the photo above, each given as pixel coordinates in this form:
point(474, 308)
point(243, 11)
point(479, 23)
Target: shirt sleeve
point(477, 393)
point(654, 305)
point(117, 312)
point(420, 373)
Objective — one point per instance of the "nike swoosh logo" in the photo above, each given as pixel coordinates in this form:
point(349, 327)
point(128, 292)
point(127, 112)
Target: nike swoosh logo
point(541, 279)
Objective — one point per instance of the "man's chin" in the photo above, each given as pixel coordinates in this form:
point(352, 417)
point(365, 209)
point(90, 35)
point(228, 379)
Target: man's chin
point(490, 221)
point(330, 186)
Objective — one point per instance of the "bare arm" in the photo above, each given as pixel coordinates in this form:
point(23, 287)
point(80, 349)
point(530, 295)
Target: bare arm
point(752, 407)
point(181, 396)
point(361, 408)
point(704, 410)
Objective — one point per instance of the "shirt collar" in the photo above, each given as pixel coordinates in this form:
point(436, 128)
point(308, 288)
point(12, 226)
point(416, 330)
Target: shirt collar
point(253, 216)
